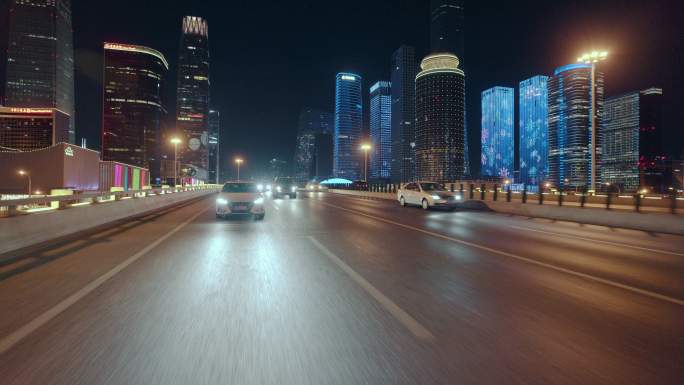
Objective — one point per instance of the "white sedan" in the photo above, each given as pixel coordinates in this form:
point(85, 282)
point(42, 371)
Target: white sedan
point(240, 198)
point(428, 195)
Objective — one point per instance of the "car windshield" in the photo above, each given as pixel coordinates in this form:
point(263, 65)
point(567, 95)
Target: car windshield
point(240, 188)
point(432, 187)
point(285, 181)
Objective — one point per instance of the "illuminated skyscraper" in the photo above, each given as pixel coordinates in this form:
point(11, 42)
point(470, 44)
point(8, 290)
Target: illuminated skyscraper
point(312, 148)
point(347, 162)
point(570, 126)
point(440, 119)
point(404, 69)
point(381, 129)
point(497, 133)
point(132, 105)
point(632, 153)
point(214, 124)
point(192, 107)
point(447, 27)
point(40, 57)
point(534, 127)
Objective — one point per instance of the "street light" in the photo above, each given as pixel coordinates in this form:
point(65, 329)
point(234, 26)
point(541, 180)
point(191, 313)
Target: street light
point(26, 174)
point(238, 161)
point(175, 142)
point(593, 58)
point(365, 147)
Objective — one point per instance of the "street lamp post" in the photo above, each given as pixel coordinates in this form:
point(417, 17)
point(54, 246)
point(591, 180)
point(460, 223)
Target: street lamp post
point(365, 147)
point(593, 58)
point(27, 175)
point(176, 142)
point(238, 161)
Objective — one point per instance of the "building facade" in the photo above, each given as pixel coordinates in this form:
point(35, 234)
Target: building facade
point(534, 126)
point(632, 149)
point(447, 32)
point(214, 124)
point(40, 57)
point(497, 159)
point(132, 105)
point(312, 151)
point(192, 103)
point(29, 129)
point(570, 138)
point(403, 109)
point(347, 157)
point(440, 119)
point(381, 130)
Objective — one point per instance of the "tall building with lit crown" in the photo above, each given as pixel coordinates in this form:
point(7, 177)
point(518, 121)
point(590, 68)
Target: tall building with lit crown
point(497, 133)
point(313, 156)
point(534, 126)
point(381, 129)
point(132, 105)
point(440, 119)
point(40, 57)
point(403, 109)
point(447, 27)
point(570, 138)
point(632, 149)
point(347, 157)
point(192, 97)
point(214, 124)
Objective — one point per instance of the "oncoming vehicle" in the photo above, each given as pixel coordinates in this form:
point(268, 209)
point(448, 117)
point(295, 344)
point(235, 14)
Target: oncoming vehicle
point(284, 186)
point(240, 198)
point(427, 195)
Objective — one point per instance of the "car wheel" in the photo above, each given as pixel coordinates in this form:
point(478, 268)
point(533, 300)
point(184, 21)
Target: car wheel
point(402, 202)
point(425, 204)
point(259, 217)
point(218, 216)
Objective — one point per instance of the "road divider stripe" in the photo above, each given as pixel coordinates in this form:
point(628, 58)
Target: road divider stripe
point(418, 330)
point(12, 339)
point(604, 281)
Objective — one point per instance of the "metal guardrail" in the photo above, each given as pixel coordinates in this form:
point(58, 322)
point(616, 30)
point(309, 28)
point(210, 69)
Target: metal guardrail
point(24, 206)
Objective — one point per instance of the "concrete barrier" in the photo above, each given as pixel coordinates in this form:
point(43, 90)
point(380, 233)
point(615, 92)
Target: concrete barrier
point(652, 222)
point(31, 230)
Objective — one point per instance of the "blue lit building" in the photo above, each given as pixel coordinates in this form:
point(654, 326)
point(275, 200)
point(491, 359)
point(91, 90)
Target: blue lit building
point(381, 129)
point(570, 139)
point(497, 133)
point(534, 127)
point(347, 157)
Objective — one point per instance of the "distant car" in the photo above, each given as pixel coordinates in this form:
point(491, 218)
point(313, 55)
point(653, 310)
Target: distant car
point(315, 187)
point(360, 185)
point(428, 195)
point(240, 198)
point(284, 186)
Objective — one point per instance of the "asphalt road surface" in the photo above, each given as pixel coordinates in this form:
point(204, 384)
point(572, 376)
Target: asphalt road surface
point(341, 290)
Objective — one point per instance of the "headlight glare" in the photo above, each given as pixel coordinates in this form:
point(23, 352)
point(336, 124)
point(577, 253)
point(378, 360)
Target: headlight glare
point(436, 197)
point(259, 201)
point(222, 201)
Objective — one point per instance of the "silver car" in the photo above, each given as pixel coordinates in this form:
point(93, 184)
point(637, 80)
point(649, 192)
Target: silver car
point(428, 195)
point(240, 198)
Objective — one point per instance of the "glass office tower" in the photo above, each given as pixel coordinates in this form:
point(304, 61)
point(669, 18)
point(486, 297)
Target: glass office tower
point(214, 125)
point(440, 119)
point(570, 138)
point(381, 130)
point(447, 27)
point(313, 153)
point(40, 57)
point(534, 127)
point(347, 156)
point(497, 133)
point(192, 106)
point(132, 106)
point(632, 148)
point(404, 69)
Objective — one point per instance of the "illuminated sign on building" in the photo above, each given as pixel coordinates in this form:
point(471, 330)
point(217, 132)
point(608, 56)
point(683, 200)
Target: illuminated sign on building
point(31, 110)
point(137, 48)
point(68, 151)
point(347, 77)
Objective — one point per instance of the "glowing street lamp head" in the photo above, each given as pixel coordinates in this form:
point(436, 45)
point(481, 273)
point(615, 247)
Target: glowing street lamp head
point(175, 141)
point(593, 57)
point(239, 160)
point(365, 147)
point(22, 172)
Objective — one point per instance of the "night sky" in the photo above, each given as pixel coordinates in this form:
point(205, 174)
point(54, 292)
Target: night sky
point(271, 58)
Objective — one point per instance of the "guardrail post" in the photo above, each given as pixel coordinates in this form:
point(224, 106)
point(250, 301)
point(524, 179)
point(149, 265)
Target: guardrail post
point(483, 189)
point(637, 202)
point(524, 194)
point(472, 190)
point(609, 199)
point(508, 194)
point(560, 195)
point(673, 201)
point(496, 191)
point(451, 187)
point(461, 189)
point(541, 194)
point(583, 197)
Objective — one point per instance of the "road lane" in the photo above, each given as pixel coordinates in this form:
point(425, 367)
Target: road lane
point(256, 302)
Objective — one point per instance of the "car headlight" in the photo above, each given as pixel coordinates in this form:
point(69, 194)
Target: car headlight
point(259, 201)
point(294, 188)
point(260, 187)
point(268, 187)
point(279, 188)
point(222, 201)
point(457, 197)
point(436, 197)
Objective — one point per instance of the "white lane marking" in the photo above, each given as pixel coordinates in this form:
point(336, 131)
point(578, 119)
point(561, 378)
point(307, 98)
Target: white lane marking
point(21, 333)
point(604, 281)
point(403, 317)
point(659, 251)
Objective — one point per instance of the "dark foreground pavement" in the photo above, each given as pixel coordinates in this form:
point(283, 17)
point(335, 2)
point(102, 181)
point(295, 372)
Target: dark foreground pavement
point(338, 290)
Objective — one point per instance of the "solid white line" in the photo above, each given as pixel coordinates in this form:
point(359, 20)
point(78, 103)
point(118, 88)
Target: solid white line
point(647, 293)
point(403, 317)
point(659, 251)
point(12, 339)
